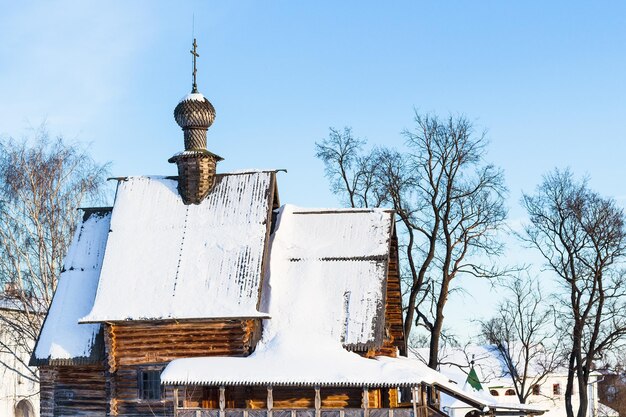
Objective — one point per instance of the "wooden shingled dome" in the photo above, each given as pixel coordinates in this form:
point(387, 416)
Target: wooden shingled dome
point(194, 114)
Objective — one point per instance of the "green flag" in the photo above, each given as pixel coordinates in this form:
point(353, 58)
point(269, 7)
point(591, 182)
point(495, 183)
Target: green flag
point(473, 380)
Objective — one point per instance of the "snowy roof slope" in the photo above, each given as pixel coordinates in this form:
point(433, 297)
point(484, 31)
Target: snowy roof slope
point(325, 290)
point(332, 267)
point(168, 260)
point(62, 338)
point(282, 363)
point(324, 365)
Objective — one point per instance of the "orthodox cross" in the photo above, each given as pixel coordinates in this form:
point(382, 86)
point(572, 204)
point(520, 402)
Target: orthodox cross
point(195, 55)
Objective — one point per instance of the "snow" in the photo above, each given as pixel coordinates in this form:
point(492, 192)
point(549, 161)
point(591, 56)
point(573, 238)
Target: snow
point(62, 337)
point(282, 362)
point(315, 304)
point(168, 260)
point(286, 361)
point(489, 363)
point(331, 264)
point(492, 373)
point(321, 261)
point(193, 97)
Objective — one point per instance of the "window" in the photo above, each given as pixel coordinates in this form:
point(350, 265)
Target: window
point(536, 390)
point(556, 389)
point(510, 392)
point(493, 392)
point(149, 384)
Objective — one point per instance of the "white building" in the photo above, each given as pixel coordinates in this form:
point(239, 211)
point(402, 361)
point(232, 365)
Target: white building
point(19, 395)
point(547, 392)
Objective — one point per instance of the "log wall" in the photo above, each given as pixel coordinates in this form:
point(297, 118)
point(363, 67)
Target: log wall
point(149, 342)
point(132, 347)
point(47, 376)
point(73, 391)
point(394, 337)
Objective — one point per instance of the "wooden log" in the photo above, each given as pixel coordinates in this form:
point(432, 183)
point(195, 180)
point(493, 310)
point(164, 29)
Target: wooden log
point(160, 342)
point(78, 391)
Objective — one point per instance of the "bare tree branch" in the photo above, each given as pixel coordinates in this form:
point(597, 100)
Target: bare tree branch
point(42, 182)
point(523, 332)
point(449, 205)
point(581, 236)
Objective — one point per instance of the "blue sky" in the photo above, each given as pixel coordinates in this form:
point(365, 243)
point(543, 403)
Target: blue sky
point(546, 79)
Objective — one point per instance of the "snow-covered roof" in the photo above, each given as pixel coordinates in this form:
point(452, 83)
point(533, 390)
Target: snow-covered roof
point(489, 363)
point(606, 411)
point(62, 339)
point(282, 363)
point(455, 362)
point(168, 260)
point(330, 266)
point(325, 289)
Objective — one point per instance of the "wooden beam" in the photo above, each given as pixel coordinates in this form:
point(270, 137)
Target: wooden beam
point(176, 402)
point(414, 400)
point(222, 400)
point(270, 400)
point(318, 402)
point(365, 401)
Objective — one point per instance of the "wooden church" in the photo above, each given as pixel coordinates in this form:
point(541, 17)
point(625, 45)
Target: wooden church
point(201, 296)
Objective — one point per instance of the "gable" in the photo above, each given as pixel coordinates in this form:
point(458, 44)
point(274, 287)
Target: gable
point(167, 260)
point(62, 340)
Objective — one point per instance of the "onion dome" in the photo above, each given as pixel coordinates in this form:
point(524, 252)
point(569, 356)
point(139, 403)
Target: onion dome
point(194, 114)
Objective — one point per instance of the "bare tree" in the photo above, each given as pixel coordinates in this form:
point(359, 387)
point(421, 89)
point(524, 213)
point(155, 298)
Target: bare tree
point(524, 334)
point(582, 237)
point(351, 174)
point(449, 203)
point(42, 183)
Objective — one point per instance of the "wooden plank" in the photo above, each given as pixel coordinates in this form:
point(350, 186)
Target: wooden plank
point(270, 398)
point(318, 402)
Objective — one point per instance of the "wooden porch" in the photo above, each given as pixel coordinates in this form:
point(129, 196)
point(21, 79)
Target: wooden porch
point(322, 402)
point(422, 411)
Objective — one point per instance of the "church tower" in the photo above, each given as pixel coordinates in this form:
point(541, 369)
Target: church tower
point(196, 165)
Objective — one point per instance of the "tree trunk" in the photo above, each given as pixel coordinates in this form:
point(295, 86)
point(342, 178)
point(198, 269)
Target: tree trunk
point(570, 386)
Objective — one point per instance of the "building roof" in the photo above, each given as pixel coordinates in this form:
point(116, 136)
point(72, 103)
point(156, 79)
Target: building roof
point(283, 364)
point(325, 289)
point(490, 365)
point(324, 364)
point(330, 267)
point(62, 340)
point(164, 258)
